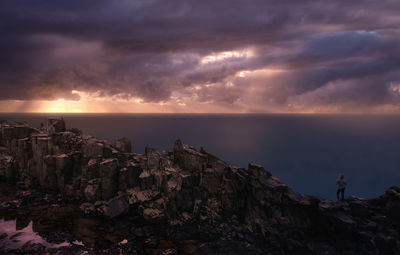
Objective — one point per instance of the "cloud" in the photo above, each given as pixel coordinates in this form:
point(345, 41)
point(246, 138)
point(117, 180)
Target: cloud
point(214, 54)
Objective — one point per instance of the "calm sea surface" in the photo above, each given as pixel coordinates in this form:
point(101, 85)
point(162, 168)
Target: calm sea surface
point(305, 151)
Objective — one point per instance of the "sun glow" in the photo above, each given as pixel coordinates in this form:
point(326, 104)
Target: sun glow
point(62, 106)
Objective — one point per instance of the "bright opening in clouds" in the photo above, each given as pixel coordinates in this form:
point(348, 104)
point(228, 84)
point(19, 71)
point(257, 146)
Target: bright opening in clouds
point(200, 56)
point(226, 55)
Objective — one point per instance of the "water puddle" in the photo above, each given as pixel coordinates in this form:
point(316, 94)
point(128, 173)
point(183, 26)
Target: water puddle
point(12, 238)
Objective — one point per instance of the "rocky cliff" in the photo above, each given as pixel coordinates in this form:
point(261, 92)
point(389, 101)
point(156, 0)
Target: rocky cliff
point(222, 208)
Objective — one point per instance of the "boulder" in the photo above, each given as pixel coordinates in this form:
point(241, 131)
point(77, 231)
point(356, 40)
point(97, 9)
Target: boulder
point(116, 207)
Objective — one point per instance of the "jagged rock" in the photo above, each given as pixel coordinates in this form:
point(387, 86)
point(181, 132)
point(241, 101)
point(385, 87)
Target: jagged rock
point(194, 192)
point(273, 183)
point(92, 190)
point(87, 208)
point(134, 171)
point(153, 158)
point(55, 125)
point(188, 158)
point(47, 173)
point(109, 178)
point(76, 131)
point(152, 214)
point(63, 170)
point(173, 184)
point(257, 170)
point(93, 148)
point(22, 131)
point(146, 180)
point(392, 197)
point(123, 179)
point(157, 160)
point(170, 251)
point(141, 196)
point(92, 170)
point(123, 144)
point(23, 152)
point(210, 181)
point(41, 145)
point(7, 132)
point(187, 179)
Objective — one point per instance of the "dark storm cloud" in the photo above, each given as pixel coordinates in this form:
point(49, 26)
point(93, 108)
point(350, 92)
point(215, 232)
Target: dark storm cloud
point(333, 52)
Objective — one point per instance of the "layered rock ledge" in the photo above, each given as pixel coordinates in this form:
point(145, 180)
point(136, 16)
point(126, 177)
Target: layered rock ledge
point(185, 195)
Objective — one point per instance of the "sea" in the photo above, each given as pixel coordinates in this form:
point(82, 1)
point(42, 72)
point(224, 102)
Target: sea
point(306, 151)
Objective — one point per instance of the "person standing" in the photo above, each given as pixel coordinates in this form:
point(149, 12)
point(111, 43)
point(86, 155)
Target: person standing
point(341, 185)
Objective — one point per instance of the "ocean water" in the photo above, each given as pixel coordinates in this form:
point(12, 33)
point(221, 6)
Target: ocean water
point(307, 152)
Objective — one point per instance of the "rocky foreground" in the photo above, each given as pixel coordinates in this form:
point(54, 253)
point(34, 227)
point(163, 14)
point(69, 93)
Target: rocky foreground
point(101, 198)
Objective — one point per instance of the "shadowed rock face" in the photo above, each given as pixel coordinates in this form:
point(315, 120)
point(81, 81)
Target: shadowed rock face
point(185, 187)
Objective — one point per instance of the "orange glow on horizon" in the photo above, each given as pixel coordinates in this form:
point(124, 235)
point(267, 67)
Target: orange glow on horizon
point(93, 103)
point(62, 106)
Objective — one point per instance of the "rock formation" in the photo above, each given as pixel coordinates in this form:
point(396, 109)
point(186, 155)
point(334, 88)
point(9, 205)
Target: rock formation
point(186, 187)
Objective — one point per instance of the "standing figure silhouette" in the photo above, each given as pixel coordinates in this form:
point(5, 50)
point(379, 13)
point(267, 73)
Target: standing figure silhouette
point(341, 185)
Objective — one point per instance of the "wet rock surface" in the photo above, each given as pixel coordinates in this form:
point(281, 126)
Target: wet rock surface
point(100, 198)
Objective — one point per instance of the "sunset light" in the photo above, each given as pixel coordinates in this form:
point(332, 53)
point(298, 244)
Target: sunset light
point(62, 106)
point(200, 127)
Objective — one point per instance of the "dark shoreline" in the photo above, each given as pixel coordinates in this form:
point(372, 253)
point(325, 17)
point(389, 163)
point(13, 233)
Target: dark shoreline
point(181, 201)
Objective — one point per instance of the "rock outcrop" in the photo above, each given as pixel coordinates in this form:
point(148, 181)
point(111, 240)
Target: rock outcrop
point(185, 187)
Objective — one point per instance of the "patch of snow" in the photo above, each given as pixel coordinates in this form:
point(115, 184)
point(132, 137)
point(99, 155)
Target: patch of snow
point(123, 242)
point(15, 239)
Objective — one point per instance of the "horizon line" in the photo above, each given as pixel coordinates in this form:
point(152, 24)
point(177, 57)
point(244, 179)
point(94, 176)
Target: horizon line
point(210, 113)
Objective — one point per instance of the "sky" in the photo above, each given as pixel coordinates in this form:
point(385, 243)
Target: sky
point(208, 56)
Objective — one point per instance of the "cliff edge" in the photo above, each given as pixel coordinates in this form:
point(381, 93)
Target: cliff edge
point(183, 195)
